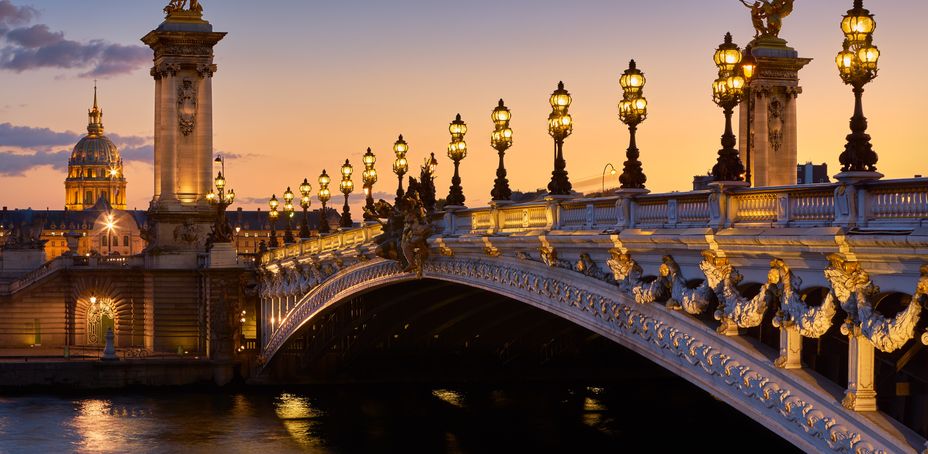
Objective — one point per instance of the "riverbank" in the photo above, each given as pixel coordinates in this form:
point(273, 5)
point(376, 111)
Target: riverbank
point(88, 374)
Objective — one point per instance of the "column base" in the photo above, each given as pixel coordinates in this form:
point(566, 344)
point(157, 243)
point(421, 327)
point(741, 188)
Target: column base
point(790, 349)
point(859, 401)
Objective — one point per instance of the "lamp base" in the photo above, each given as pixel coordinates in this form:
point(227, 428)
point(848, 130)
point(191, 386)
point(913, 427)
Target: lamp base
point(857, 177)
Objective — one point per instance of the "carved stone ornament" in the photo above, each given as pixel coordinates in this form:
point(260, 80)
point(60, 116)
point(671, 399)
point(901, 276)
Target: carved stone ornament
point(183, 8)
point(187, 106)
point(187, 233)
point(406, 232)
point(854, 290)
point(626, 272)
point(206, 70)
point(692, 301)
point(734, 310)
point(775, 124)
point(492, 251)
point(164, 70)
point(588, 267)
point(549, 257)
point(810, 321)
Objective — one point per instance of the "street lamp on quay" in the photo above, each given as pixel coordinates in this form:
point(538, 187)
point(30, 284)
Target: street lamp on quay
point(457, 150)
point(324, 196)
point(221, 199)
point(369, 177)
point(110, 226)
point(272, 216)
point(347, 187)
point(857, 65)
point(400, 165)
point(560, 126)
point(305, 202)
point(633, 110)
point(501, 140)
point(288, 212)
point(611, 169)
point(727, 91)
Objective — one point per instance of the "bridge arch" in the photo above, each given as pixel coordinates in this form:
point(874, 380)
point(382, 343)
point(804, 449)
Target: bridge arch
point(799, 407)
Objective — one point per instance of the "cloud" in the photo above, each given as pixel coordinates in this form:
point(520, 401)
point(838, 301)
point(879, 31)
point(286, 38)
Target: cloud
point(37, 46)
point(28, 137)
point(42, 147)
point(14, 164)
point(11, 14)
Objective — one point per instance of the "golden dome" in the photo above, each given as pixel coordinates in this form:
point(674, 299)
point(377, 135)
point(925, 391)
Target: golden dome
point(95, 149)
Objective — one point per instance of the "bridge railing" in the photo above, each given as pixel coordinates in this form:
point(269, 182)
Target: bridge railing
point(74, 261)
point(345, 239)
point(879, 204)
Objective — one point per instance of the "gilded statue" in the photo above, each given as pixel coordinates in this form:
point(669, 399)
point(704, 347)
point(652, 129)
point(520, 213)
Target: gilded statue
point(406, 232)
point(177, 6)
point(767, 16)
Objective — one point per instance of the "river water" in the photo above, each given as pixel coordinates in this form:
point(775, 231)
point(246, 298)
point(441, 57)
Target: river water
point(625, 417)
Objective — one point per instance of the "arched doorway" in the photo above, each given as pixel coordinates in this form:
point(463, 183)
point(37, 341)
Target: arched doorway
point(101, 317)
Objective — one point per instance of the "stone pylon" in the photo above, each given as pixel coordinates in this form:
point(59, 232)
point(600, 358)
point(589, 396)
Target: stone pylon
point(772, 104)
point(180, 216)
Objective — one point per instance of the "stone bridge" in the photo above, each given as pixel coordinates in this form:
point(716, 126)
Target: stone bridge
point(683, 279)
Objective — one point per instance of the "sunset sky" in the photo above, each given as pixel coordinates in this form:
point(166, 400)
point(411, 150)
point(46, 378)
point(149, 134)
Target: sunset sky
point(302, 85)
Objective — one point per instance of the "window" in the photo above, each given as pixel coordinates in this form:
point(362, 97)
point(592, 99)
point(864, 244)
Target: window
point(104, 195)
point(88, 197)
point(103, 240)
point(125, 240)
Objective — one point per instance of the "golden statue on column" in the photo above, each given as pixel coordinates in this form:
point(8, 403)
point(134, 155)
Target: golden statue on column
point(184, 8)
point(770, 12)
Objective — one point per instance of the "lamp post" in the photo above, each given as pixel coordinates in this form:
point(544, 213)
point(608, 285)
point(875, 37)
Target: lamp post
point(272, 216)
point(221, 199)
point(748, 68)
point(305, 202)
point(633, 110)
point(726, 92)
point(346, 186)
point(501, 140)
point(560, 125)
point(400, 165)
point(324, 196)
point(288, 211)
point(457, 150)
point(857, 65)
point(369, 177)
point(611, 172)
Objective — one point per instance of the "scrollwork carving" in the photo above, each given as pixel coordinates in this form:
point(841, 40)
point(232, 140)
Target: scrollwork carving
point(734, 309)
point(588, 267)
point(692, 301)
point(855, 291)
point(812, 322)
point(626, 272)
point(549, 257)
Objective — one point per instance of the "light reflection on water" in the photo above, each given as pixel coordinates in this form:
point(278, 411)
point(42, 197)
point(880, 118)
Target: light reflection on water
point(343, 419)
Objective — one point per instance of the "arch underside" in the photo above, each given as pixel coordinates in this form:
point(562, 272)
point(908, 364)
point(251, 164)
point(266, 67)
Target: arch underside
point(797, 405)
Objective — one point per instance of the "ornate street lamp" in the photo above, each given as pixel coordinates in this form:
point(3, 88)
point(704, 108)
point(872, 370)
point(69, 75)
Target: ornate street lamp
point(501, 140)
point(457, 150)
point(347, 186)
point(633, 110)
point(288, 211)
point(748, 68)
point(727, 91)
point(369, 177)
point(272, 216)
point(305, 201)
point(400, 165)
point(857, 65)
point(560, 125)
point(324, 196)
point(221, 199)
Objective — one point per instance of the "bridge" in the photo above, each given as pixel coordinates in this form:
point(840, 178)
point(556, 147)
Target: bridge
point(688, 280)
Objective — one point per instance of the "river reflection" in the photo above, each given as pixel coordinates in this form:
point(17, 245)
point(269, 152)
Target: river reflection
point(523, 418)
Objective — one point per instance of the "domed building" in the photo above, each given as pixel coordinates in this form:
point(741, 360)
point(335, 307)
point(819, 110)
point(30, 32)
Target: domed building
point(95, 169)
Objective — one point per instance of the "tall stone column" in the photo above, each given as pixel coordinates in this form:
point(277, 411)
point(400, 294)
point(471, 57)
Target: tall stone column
point(773, 123)
point(180, 215)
